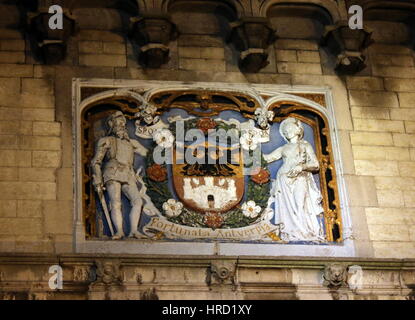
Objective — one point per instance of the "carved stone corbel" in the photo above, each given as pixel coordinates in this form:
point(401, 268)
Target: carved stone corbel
point(149, 294)
point(335, 275)
point(347, 45)
point(221, 273)
point(153, 34)
point(50, 43)
point(251, 37)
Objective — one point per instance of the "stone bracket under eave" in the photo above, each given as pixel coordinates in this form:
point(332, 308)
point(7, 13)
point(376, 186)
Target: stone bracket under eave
point(50, 44)
point(348, 46)
point(251, 37)
point(153, 33)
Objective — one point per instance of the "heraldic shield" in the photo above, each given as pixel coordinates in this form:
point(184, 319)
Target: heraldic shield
point(212, 181)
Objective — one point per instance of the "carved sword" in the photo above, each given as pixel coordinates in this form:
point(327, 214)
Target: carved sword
point(105, 209)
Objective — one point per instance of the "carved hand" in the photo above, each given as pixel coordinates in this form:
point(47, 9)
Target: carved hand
point(97, 183)
point(295, 171)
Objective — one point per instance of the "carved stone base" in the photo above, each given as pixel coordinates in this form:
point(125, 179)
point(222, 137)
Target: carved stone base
point(347, 46)
point(50, 43)
point(153, 34)
point(252, 36)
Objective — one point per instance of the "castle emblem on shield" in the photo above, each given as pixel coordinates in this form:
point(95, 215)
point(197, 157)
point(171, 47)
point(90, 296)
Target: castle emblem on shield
point(213, 184)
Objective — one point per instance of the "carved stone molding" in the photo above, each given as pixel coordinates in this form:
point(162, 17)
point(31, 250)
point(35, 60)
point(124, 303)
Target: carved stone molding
point(221, 272)
point(251, 37)
point(50, 44)
point(347, 45)
point(26, 277)
point(153, 34)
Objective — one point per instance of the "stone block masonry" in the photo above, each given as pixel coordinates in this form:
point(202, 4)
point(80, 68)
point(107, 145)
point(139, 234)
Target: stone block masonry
point(374, 111)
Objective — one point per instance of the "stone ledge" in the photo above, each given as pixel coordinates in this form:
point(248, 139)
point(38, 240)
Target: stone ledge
point(203, 260)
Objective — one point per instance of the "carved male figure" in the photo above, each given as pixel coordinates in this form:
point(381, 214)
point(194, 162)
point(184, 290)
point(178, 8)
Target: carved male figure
point(118, 174)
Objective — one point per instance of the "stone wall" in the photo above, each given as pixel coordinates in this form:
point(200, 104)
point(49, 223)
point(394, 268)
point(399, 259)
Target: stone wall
point(375, 117)
point(377, 125)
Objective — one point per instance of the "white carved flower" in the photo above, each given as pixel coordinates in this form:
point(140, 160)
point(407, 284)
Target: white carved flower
point(250, 209)
point(249, 140)
point(172, 208)
point(164, 138)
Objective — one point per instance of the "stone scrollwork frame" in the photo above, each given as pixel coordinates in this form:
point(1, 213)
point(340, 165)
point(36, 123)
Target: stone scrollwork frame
point(311, 105)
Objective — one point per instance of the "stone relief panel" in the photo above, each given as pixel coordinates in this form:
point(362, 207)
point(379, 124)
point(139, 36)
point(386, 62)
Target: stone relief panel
point(207, 165)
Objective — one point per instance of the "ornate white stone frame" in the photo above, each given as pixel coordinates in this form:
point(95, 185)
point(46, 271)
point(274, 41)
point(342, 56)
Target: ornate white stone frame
point(278, 93)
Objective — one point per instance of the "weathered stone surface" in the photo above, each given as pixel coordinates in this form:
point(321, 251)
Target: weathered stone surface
point(12, 57)
point(393, 60)
point(378, 125)
point(9, 85)
point(406, 100)
point(370, 113)
point(394, 72)
point(58, 217)
point(404, 140)
point(394, 249)
point(403, 114)
point(390, 198)
point(37, 86)
point(389, 49)
point(15, 158)
point(374, 99)
point(28, 190)
point(201, 52)
point(380, 153)
point(302, 68)
point(191, 40)
point(376, 168)
point(362, 191)
point(8, 174)
point(8, 208)
point(36, 174)
point(100, 35)
point(395, 183)
point(407, 168)
point(90, 46)
point(390, 216)
point(46, 159)
point(364, 83)
point(410, 126)
point(104, 60)
point(39, 143)
point(286, 55)
point(114, 47)
point(399, 84)
point(43, 128)
point(409, 199)
point(20, 226)
point(296, 44)
point(217, 65)
point(389, 232)
point(16, 70)
point(38, 114)
point(308, 56)
point(29, 208)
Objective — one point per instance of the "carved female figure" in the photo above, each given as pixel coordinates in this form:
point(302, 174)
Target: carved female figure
point(296, 197)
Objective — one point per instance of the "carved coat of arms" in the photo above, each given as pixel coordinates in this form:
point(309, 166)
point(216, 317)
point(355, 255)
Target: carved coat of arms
point(184, 166)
